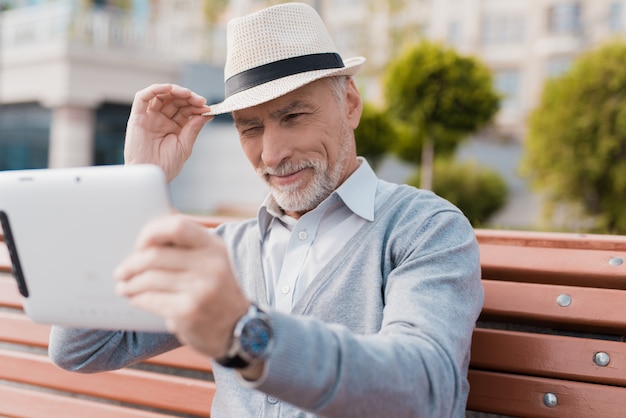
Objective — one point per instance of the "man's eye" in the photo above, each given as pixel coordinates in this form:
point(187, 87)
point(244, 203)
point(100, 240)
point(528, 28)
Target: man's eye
point(252, 131)
point(293, 116)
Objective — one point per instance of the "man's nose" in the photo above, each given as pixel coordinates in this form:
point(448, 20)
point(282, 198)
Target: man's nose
point(277, 147)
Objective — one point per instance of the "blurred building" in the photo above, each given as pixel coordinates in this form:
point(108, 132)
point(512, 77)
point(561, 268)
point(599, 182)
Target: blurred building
point(68, 74)
point(69, 70)
point(524, 42)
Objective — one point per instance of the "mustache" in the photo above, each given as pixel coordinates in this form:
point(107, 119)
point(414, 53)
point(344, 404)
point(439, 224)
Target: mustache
point(288, 167)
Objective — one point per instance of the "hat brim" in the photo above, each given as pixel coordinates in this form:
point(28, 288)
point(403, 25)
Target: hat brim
point(273, 89)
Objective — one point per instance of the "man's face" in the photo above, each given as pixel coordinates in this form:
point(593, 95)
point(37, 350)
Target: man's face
point(302, 144)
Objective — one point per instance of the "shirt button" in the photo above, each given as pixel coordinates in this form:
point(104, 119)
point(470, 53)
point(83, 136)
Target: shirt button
point(302, 235)
point(272, 400)
point(285, 289)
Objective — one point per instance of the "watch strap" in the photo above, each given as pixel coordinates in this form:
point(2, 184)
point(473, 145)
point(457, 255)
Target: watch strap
point(236, 358)
point(235, 362)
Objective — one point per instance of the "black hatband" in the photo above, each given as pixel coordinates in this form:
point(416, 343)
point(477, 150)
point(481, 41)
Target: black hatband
point(279, 69)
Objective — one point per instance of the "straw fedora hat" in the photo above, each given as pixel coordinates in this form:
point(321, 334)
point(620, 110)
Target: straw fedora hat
point(275, 51)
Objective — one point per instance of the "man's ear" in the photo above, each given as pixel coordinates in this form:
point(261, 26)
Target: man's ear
point(354, 105)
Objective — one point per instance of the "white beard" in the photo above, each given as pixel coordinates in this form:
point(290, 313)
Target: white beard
point(296, 197)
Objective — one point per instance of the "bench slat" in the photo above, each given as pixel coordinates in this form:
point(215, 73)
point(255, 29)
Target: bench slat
point(574, 267)
point(9, 294)
point(140, 387)
point(548, 355)
point(551, 239)
point(522, 396)
point(18, 329)
point(590, 309)
point(5, 260)
point(28, 403)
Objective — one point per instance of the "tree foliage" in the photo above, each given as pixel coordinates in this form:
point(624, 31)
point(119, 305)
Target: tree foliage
point(439, 94)
point(576, 145)
point(478, 192)
point(374, 134)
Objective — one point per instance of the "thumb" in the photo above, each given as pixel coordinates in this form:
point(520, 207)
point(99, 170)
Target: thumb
point(172, 230)
point(192, 128)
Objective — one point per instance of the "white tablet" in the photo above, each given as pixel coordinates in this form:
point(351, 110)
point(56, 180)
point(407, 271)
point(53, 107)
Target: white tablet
point(68, 229)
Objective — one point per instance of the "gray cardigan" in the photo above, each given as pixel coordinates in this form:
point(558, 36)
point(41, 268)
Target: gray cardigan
point(384, 330)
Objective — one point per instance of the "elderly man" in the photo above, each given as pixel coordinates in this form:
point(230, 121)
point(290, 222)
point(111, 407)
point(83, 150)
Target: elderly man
point(346, 296)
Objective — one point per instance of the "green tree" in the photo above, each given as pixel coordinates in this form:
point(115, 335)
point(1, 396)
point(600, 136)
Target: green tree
point(478, 192)
point(374, 134)
point(441, 96)
point(576, 144)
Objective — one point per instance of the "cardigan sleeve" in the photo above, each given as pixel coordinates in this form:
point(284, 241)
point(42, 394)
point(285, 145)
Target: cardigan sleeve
point(91, 351)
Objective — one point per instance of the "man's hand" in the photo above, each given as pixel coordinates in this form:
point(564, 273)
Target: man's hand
point(182, 272)
point(164, 122)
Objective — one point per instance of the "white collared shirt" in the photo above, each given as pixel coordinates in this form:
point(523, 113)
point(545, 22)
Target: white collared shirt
point(294, 251)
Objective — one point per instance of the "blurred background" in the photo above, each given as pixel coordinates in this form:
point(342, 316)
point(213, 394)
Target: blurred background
point(69, 70)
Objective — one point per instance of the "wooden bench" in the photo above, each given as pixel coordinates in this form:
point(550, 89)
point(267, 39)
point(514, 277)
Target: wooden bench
point(549, 342)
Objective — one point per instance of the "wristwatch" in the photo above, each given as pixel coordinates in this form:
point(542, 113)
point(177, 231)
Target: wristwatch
point(252, 342)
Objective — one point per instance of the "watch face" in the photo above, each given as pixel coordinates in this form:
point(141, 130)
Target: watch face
point(255, 338)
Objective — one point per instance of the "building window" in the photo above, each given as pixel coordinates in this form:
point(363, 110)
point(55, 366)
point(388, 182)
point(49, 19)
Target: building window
point(564, 18)
point(508, 84)
point(111, 122)
point(454, 33)
point(503, 30)
point(558, 65)
point(24, 136)
point(615, 16)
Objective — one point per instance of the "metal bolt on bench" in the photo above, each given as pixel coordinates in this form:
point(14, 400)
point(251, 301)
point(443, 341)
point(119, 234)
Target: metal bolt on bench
point(615, 261)
point(602, 359)
point(550, 400)
point(564, 300)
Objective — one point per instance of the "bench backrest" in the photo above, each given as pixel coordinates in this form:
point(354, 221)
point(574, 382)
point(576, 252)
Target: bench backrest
point(549, 341)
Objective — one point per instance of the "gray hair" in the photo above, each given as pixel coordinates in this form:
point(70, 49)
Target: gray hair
point(337, 86)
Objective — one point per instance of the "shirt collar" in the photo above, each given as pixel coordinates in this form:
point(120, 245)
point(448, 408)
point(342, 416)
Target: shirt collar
point(358, 193)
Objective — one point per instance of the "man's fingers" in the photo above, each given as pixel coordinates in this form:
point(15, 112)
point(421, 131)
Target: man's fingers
point(175, 106)
point(155, 258)
point(181, 96)
point(180, 111)
point(164, 304)
point(156, 95)
point(152, 280)
point(174, 230)
point(143, 97)
point(191, 128)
